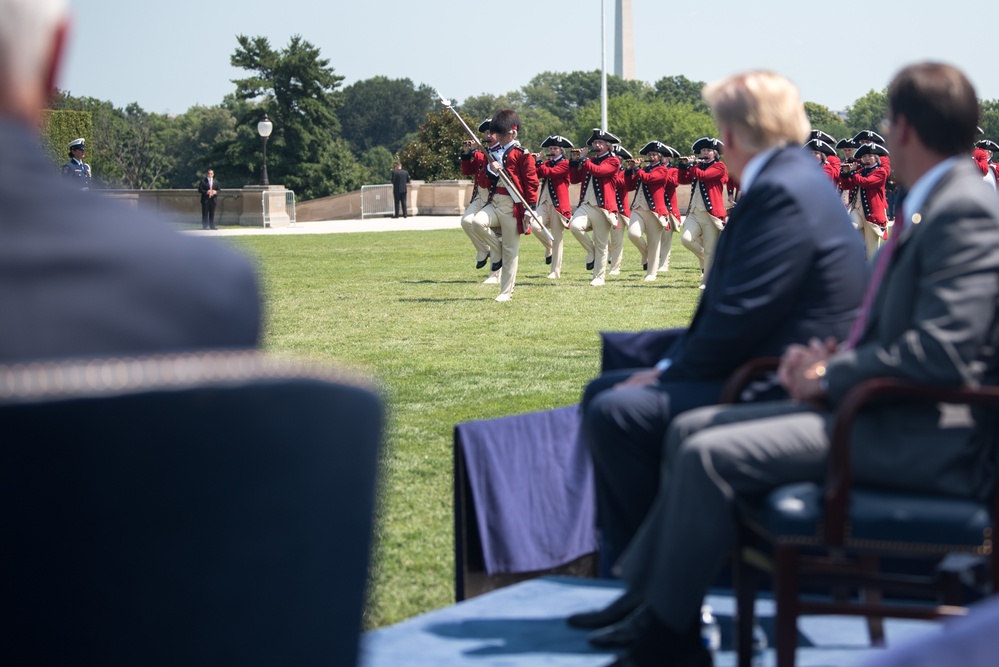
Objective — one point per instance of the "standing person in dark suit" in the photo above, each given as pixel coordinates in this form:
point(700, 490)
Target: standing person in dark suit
point(400, 182)
point(929, 315)
point(84, 276)
point(209, 189)
point(789, 267)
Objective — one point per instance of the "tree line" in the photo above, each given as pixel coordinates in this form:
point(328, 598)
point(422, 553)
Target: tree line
point(330, 139)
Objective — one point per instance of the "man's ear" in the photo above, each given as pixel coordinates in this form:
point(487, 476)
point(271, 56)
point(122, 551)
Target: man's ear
point(726, 136)
point(55, 57)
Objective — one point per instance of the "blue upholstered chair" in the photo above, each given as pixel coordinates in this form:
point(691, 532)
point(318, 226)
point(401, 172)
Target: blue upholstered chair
point(836, 537)
point(184, 510)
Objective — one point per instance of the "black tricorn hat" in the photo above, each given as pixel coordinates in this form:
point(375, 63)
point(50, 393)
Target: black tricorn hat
point(622, 153)
point(824, 136)
point(603, 135)
point(820, 146)
point(708, 142)
point(556, 140)
point(846, 143)
point(870, 149)
point(869, 135)
point(657, 147)
point(672, 152)
point(987, 145)
point(484, 125)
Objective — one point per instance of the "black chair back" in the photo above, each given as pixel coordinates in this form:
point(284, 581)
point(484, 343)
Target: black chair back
point(184, 510)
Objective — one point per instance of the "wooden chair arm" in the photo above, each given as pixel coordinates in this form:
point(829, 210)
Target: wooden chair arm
point(743, 375)
point(838, 473)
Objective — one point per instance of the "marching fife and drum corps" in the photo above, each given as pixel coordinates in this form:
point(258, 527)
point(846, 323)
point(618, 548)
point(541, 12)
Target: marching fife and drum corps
point(620, 194)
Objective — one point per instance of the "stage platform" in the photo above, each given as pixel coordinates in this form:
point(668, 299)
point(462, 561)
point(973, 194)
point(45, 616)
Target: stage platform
point(524, 626)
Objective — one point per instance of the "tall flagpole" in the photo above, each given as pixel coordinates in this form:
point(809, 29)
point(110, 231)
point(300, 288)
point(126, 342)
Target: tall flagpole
point(603, 65)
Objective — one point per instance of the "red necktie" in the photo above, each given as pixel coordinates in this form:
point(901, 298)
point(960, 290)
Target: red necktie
point(880, 268)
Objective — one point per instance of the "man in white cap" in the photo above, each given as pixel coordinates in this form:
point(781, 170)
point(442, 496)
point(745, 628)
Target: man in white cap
point(597, 208)
point(76, 167)
point(706, 212)
point(553, 200)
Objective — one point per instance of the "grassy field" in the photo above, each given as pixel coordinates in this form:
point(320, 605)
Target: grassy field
point(409, 308)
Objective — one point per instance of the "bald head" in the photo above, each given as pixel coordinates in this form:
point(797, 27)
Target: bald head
point(31, 38)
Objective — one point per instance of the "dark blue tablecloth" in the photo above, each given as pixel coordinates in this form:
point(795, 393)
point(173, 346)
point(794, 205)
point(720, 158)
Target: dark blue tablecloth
point(532, 483)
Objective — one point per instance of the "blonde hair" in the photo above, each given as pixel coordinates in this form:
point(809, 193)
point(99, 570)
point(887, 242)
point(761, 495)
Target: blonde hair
point(762, 108)
point(26, 32)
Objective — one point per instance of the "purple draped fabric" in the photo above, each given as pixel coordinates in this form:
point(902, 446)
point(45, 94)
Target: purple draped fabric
point(532, 483)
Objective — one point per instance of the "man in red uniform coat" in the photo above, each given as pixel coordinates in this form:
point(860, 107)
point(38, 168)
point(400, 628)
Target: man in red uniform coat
point(871, 211)
point(706, 213)
point(597, 208)
point(504, 210)
point(553, 198)
point(473, 163)
point(653, 210)
point(621, 190)
point(822, 152)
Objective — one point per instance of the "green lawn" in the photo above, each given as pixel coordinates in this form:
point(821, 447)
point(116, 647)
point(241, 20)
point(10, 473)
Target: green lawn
point(409, 308)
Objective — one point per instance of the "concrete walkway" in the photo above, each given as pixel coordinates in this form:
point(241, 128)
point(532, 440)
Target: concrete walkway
point(413, 223)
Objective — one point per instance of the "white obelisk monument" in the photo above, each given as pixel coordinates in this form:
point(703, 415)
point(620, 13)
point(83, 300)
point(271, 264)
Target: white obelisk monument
point(624, 44)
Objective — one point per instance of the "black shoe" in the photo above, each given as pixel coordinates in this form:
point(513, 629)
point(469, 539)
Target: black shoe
point(589, 266)
point(659, 646)
point(548, 259)
point(616, 611)
point(696, 658)
point(623, 633)
point(394, 217)
point(482, 262)
point(497, 265)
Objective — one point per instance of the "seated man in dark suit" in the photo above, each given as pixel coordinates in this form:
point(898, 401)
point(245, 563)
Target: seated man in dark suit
point(83, 276)
point(788, 267)
point(929, 315)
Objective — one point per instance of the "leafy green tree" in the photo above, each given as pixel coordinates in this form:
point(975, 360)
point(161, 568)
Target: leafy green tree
point(988, 119)
point(382, 111)
point(867, 111)
point(823, 119)
point(637, 122)
point(564, 94)
point(434, 154)
point(295, 87)
point(61, 127)
point(379, 162)
point(479, 107)
point(142, 151)
point(678, 89)
point(198, 140)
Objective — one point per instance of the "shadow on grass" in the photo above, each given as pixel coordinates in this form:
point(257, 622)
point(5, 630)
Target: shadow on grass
point(445, 300)
point(438, 282)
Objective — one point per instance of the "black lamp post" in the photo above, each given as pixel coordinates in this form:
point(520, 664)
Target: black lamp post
point(264, 129)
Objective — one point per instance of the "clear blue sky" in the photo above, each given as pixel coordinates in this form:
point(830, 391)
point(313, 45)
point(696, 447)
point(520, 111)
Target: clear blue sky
point(171, 56)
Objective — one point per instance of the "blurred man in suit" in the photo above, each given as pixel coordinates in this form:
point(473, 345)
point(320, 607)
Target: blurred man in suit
point(209, 189)
point(929, 315)
point(83, 276)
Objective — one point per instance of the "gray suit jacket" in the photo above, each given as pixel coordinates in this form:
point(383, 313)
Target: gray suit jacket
point(933, 321)
point(82, 276)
